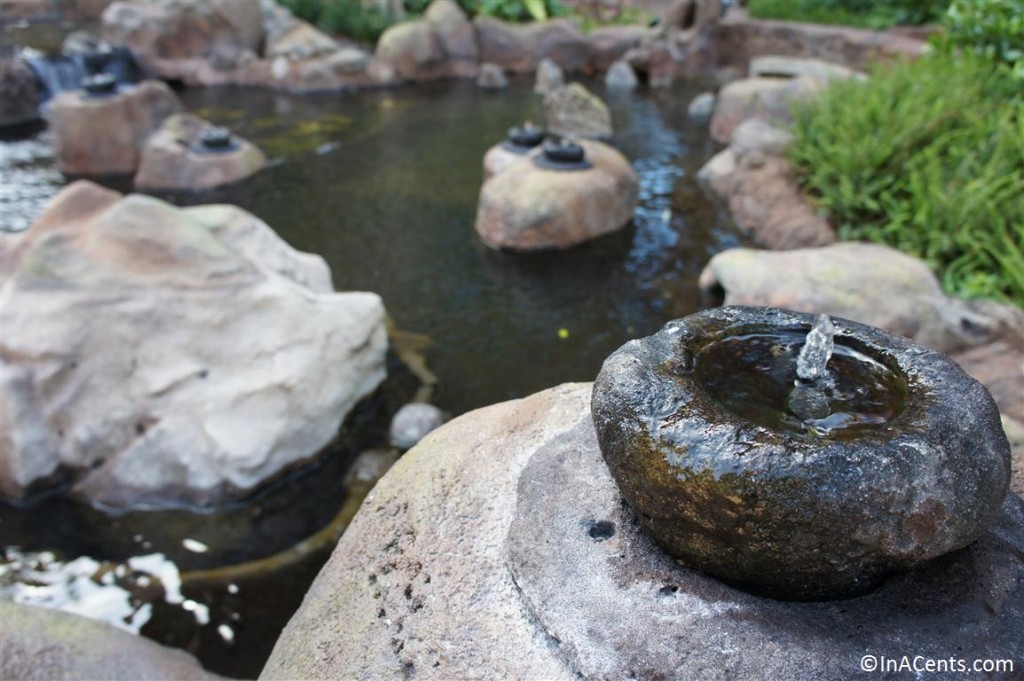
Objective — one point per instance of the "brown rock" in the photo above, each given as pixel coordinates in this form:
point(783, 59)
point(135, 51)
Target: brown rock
point(560, 41)
point(608, 44)
point(414, 50)
point(54, 645)
point(519, 48)
point(19, 93)
point(526, 208)
point(765, 201)
point(768, 99)
point(168, 38)
point(1000, 366)
point(173, 158)
point(737, 39)
point(301, 41)
point(574, 111)
point(457, 35)
point(491, 77)
point(501, 156)
point(105, 136)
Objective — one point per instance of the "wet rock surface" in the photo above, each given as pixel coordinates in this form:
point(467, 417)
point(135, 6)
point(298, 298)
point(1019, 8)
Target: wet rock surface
point(526, 207)
point(185, 415)
point(790, 514)
point(19, 93)
point(446, 568)
point(618, 607)
point(174, 158)
point(47, 644)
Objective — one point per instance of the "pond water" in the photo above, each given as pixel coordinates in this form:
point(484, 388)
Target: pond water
point(384, 186)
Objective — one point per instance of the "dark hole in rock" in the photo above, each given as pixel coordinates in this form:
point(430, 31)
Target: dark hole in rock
point(668, 590)
point(601, 530)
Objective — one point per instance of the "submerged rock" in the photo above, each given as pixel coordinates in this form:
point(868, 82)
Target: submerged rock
point(528, 207)
point(48, 644)
point(782, 511)
point(549, 77)
point(505, 531)
point(105, 135)
point(491, 77)
point(412, 423)
point(574, 111)
point(160, 356)
point(175, 158)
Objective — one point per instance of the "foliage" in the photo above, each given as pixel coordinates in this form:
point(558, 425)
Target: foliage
point(927, 157)
point(874, 14)
point(514, 10)
point(345, 17)
point(994, 28)
point(627, 15)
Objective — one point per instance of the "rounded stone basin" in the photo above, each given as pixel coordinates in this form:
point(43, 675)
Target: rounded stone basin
point(789, 512)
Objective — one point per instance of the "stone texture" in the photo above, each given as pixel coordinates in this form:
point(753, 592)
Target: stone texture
point(701, 108)
point(1000, 366)
point(169, 37)
point(440, 45)
point(526, 208)
point(549, 77)
point(621, 76)
point(518, 48)
point(574, 111)
point(765, 200)
point(393, 601)
point(161, 356)
point(738, 39)
point(412, 423)
point(868, 283)
point(491, 77)
point(768, 99)
point(754, 136)
point(608, 44)
point(53, 645)
point(300, 42)
point(105, 136)
point(790, 515)
point(173, 158)
point(617, 608)
point(446, 569)
point(774, 66)
point(19, 94)
point(503, 155)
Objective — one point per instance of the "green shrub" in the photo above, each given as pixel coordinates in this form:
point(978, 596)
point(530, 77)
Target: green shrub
point(345, 17)
point(927, 157)
point(874, 14)
point(994, 28)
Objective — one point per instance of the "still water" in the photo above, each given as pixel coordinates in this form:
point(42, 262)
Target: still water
point(384, 186)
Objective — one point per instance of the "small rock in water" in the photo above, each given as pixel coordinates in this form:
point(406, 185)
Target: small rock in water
point(810, 365)
point(808, 403)
point(412, 423)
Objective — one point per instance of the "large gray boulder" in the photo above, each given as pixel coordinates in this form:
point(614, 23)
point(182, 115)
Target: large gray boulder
point(53, 645)
point(865, 282)
point(159, 356)
point(503, 531)
point(769, 99)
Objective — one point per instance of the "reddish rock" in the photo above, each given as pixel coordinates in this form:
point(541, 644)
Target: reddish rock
point(167, 38)
point(519, 48)
point(440, 45)
point(765, 202)
point(526, 208)
point(105, 136)
point(173, 158)
point(608, 44)
point(737, 39)
point(1000, 366)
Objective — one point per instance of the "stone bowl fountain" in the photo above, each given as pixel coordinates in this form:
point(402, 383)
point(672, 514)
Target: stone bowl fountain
point(797, 458)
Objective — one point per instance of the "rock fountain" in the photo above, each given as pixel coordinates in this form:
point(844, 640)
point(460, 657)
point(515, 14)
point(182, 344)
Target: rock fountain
point(878, 529)
point(802, 461)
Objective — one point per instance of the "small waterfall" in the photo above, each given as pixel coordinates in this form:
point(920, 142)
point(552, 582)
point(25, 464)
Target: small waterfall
point(56, 73)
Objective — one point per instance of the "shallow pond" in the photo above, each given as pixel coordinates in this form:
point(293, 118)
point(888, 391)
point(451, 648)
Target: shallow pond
point(384, 186)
